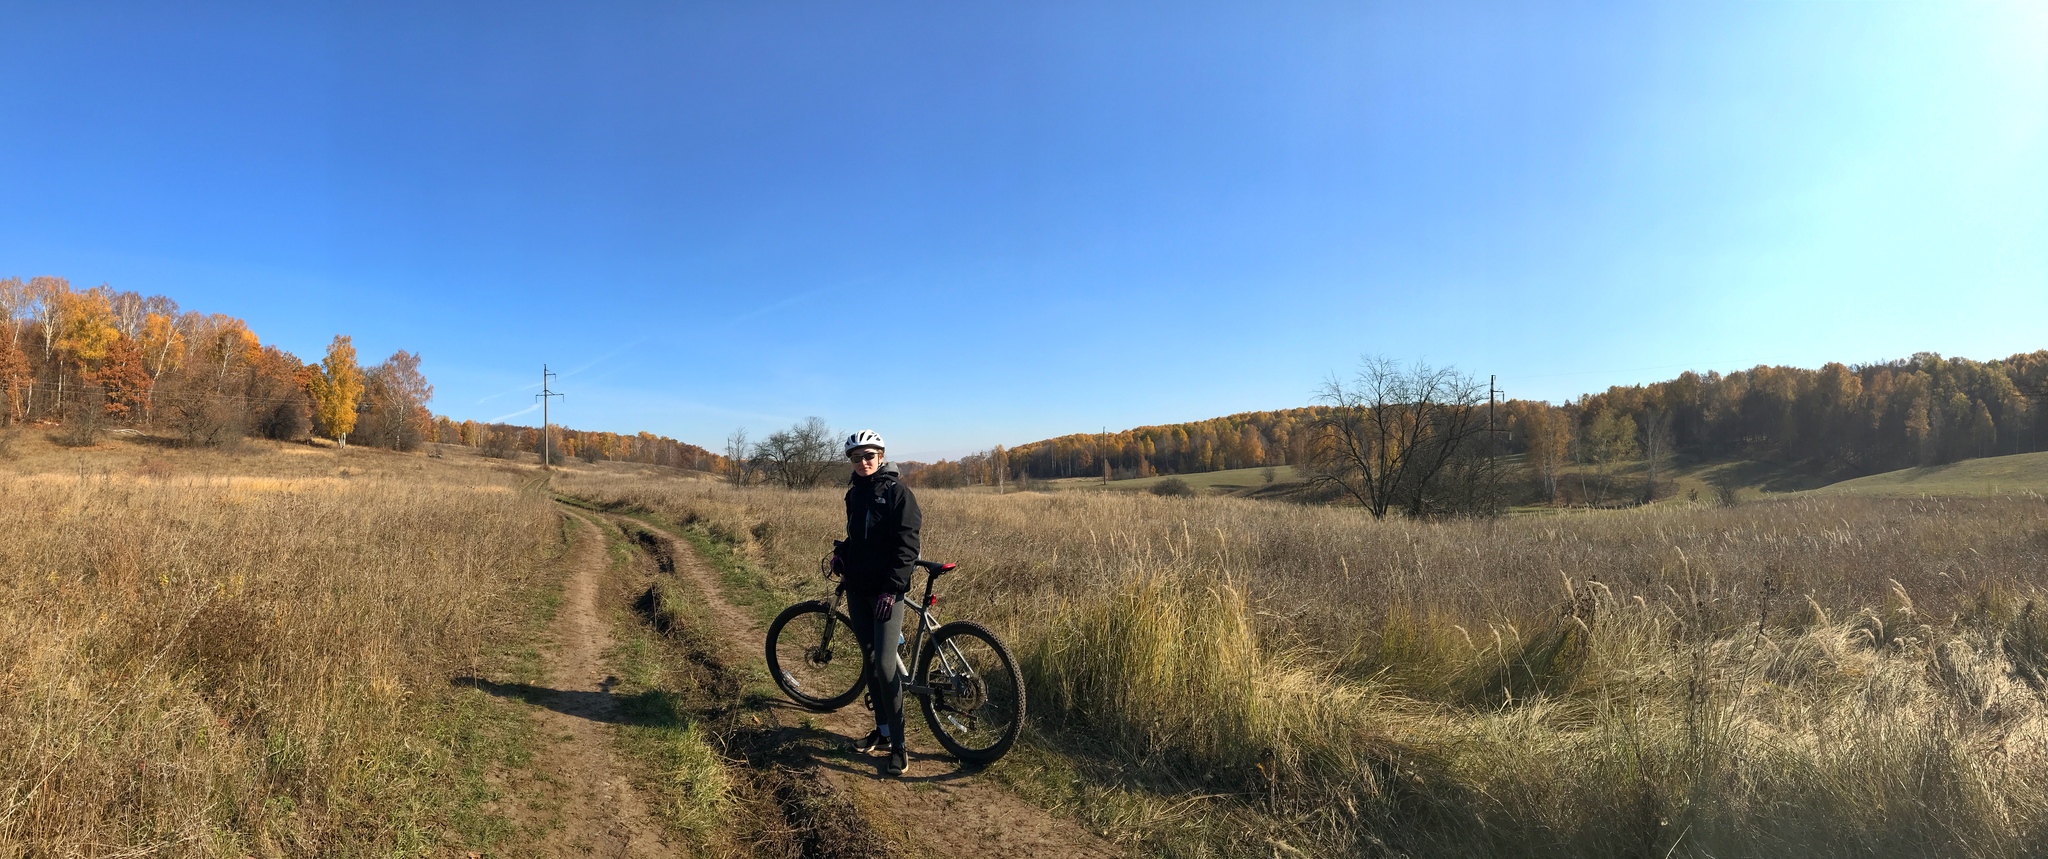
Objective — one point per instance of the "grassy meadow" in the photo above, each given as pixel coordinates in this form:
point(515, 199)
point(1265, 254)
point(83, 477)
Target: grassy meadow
point(1833, 676)
point(2017, 474)
point(1234, 480)
point(248, 653)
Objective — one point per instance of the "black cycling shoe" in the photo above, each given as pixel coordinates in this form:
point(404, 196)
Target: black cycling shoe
point(899, 762)
point(871, 743)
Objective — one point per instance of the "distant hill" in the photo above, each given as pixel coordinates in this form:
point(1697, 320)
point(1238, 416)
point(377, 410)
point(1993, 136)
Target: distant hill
point(1995, 475)
point(1804, 425)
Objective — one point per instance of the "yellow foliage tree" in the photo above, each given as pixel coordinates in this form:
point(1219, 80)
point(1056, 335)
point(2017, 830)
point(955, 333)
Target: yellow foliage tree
point(163, 350)
point(336, 389)
point(87, 332)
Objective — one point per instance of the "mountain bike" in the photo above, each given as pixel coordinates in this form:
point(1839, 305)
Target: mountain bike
point(966, 683)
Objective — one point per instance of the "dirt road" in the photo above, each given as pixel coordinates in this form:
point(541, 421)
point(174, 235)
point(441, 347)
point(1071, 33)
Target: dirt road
point(587, 805)
point(939, 808)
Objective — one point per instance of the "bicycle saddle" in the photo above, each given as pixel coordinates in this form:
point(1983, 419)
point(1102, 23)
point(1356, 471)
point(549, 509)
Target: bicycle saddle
point(937, 568)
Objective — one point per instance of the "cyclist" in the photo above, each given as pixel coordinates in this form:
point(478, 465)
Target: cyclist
point(877, 557)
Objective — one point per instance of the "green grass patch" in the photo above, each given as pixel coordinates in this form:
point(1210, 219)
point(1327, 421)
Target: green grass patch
point(660, 699)
point(744, 583)
point(2017, 474)
point(1220, 482)
point(660, 729)
point(1145, 821)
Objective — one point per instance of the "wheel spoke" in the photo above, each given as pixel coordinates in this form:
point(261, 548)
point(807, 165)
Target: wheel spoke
point(976, 706)
point(811, 672)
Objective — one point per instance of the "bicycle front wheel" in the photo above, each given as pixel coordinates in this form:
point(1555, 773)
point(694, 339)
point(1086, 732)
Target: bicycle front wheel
point(976, 705)
point(814, 657)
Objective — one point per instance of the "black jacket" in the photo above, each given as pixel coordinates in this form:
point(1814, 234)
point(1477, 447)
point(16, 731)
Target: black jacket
point(882, 519)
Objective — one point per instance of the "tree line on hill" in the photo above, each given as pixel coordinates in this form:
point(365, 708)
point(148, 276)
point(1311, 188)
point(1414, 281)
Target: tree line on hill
point(1840, 419)
point(92, 358)
point(506, 441)
point(96, 357)
point(1923, 410)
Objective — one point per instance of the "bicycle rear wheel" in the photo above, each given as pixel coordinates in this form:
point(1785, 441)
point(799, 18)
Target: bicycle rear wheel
point(815, 671)
point(976, 705)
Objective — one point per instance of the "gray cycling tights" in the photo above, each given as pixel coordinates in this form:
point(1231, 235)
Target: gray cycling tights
point(885, 682)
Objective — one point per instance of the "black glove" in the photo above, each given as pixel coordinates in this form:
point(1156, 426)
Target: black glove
point(885, 605)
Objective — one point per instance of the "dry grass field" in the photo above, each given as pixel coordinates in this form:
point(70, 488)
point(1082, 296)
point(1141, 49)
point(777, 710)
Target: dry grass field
point(248, 653)
point(1213, 676)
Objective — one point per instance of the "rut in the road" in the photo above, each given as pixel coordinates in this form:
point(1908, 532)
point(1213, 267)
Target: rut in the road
point(939, 809)
point(789, 811)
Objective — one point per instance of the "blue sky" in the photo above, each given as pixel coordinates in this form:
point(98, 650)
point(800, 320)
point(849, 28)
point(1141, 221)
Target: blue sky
point(968, 224)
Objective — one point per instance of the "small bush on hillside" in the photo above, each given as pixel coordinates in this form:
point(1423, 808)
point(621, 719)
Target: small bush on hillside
point(210, 419)
point(499, 445)
point(154, 466)
point(7, 437)
point(288, 419)
point(1172, 486)
point(84, 421)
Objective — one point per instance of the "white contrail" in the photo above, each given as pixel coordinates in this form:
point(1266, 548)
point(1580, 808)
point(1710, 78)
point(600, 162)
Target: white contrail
point(500, 419)
point(503, 393)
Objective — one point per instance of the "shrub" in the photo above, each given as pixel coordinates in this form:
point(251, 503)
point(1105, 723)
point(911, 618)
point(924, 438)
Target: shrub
point(210, 419)
point(1173, 487)
point(499, 445)
point(84, 420)
point(154, 467)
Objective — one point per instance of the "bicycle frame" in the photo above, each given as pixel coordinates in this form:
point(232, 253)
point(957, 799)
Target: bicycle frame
point(955, 664)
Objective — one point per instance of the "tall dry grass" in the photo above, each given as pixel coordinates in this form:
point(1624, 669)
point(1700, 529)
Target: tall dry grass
point(1834, 677)
point(228, 665)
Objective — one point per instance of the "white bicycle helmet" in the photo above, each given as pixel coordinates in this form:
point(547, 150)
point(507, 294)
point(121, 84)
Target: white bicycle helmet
point(864, 438)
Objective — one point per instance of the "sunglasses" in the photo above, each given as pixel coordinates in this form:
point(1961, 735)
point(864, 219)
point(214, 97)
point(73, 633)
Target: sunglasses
point(865, 456)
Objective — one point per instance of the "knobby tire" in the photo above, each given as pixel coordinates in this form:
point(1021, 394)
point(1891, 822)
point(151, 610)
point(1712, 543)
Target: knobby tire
point(976, 718)
point(809, 680)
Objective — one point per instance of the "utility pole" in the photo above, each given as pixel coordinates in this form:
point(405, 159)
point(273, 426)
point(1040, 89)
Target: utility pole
point(1493, 393)
point(1493, 427)
point(547, 446)
point(1493, 431)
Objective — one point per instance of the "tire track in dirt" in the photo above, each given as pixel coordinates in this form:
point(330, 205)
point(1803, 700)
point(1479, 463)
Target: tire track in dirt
point(941, 808)
point(600, 813)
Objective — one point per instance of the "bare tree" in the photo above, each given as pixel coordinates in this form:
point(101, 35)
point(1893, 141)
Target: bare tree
point(1390, 432)
point(14, 302)
point(129, 310)
point(396, 394)
point(738, 466)
point(798, 457)
point(1656, 443)
point(1607, 441)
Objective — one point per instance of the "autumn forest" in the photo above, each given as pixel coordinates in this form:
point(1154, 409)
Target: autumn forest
point(94, 359)
point(1839, 419)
